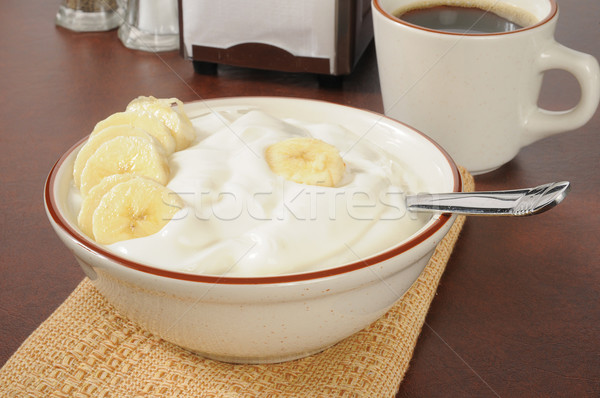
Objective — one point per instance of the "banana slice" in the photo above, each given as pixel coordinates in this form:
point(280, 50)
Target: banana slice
point(306, 161)
point(97, 139)
point(173, 117)
point(133, 209)
point(93, 198)
point(149, 124)
point(125, 155)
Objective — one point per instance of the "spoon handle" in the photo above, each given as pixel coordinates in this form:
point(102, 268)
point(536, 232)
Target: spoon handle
point(518, 202)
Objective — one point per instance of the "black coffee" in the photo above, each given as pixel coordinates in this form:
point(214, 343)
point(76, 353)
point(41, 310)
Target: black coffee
point(465, 20)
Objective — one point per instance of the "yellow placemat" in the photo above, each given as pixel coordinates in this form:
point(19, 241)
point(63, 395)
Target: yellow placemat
point(87, 349)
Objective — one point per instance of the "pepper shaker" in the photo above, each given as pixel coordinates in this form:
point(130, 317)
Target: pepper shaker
point(89, 15)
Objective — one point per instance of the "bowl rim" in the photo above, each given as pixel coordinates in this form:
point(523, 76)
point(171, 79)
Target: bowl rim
point(84, 242)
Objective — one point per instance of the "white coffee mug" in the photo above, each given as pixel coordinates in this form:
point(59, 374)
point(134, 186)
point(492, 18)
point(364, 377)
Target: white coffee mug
point(477, 94)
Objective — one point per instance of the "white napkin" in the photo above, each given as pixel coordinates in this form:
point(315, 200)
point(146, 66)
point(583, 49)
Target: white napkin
point(304, 28)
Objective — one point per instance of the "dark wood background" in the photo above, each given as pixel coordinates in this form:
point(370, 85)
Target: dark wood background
point(517, 312)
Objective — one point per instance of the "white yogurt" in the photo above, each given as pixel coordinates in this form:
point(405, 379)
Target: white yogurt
point(240, 219)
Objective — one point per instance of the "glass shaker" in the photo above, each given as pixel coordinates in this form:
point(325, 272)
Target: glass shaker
point(151, 25)
point(89, 15)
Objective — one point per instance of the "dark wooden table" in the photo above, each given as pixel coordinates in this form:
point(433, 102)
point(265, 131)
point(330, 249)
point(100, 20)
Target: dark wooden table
point(517, 313)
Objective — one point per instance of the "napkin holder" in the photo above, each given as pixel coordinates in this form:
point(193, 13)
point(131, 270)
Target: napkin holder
point(326, 38)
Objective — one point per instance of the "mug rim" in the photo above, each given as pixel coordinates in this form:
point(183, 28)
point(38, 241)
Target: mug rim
point(551, 14)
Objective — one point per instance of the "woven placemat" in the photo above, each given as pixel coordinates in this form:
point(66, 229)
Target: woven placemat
point(87, 349)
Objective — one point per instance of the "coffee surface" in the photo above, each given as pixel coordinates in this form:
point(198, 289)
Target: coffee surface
point(466, 19)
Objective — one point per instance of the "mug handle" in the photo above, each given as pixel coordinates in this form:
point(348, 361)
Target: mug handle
point(542, 123)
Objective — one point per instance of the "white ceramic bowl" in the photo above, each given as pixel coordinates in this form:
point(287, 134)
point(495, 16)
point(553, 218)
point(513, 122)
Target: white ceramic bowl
point(273, 318)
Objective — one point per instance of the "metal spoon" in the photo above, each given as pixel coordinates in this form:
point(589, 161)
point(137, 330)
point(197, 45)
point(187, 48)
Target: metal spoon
point(518, 202)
